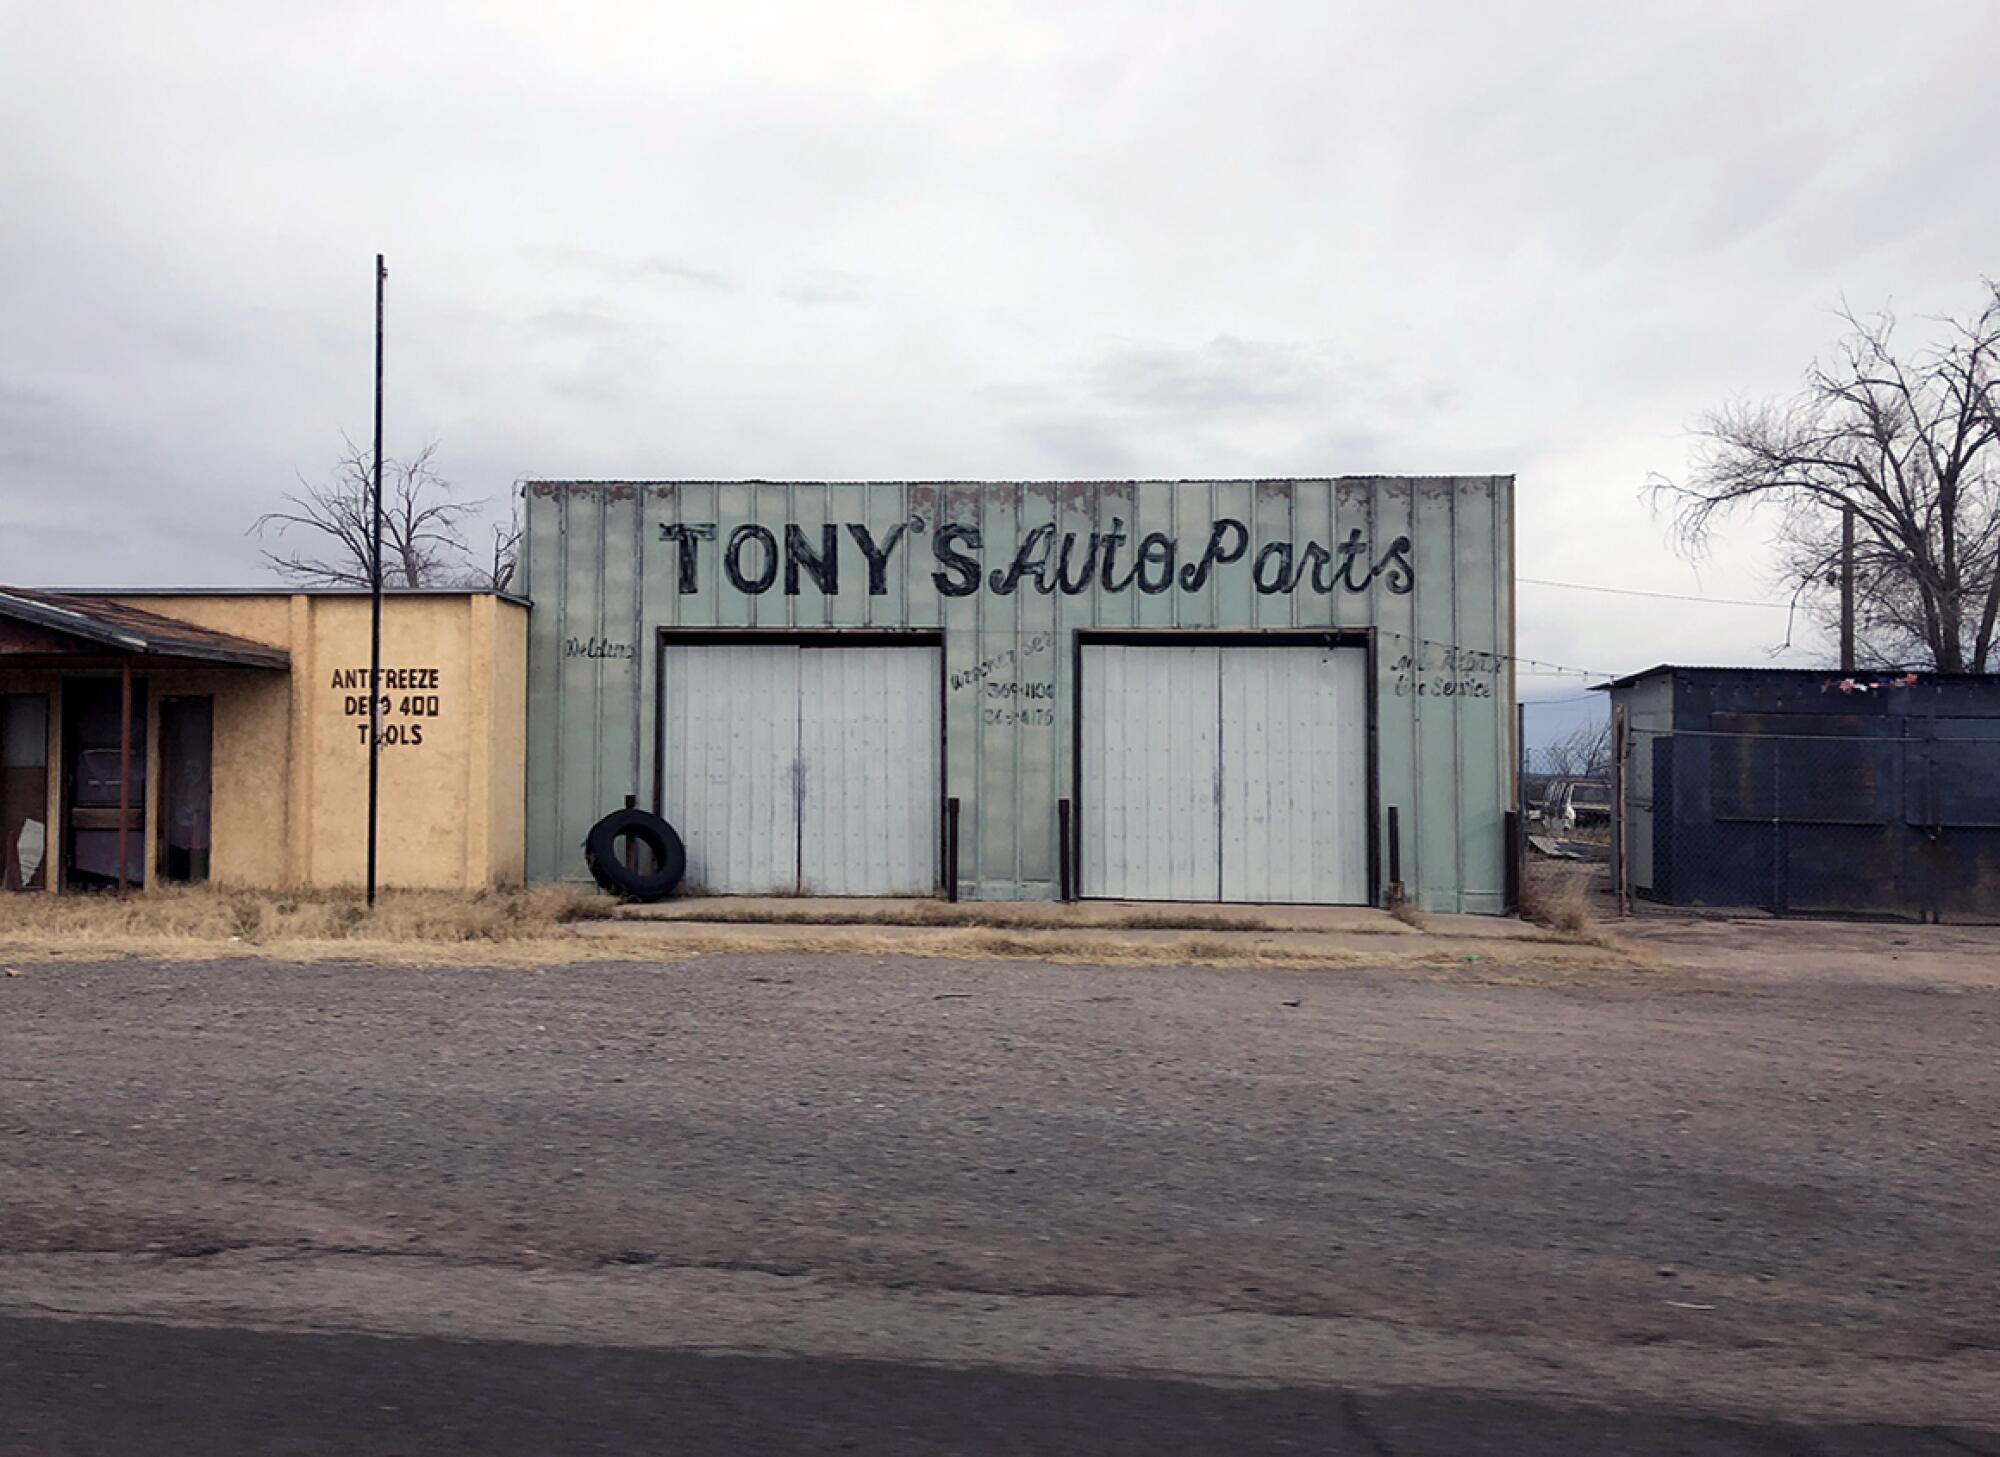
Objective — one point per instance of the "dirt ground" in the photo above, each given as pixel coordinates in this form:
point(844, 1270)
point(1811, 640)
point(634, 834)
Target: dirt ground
point(1756, 1181)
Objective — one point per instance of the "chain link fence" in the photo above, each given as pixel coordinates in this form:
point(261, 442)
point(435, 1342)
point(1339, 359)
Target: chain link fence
point(1846, 825)
point(1566, 812)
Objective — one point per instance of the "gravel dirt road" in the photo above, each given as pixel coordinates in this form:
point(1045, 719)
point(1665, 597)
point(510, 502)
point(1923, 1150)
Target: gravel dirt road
point(1027, 1207)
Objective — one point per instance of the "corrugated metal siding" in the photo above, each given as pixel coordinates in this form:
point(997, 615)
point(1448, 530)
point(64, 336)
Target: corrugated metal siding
point(1224, 773)
point(869, 782)
point(1295, 775)
point(1152, 773)
point(1771, 789)
point(731, 754)
point(603, 565)
point(803, 769)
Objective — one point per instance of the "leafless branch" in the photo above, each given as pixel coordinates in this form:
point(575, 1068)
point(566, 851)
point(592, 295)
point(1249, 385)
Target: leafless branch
point(426, 528)
point(1909, 441)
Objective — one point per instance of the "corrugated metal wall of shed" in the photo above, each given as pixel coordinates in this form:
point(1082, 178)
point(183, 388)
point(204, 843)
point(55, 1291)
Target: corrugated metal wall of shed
point(1009, 573)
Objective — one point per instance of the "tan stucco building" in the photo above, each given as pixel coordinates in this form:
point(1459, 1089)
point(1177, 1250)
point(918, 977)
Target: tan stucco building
point(235, 726)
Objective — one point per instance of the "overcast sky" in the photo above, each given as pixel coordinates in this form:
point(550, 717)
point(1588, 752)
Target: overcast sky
point(990, 239)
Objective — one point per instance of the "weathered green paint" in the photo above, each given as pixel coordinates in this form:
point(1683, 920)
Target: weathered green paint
point(604, 563)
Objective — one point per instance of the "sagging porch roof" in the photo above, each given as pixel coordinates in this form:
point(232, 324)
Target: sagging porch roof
point(119, 630)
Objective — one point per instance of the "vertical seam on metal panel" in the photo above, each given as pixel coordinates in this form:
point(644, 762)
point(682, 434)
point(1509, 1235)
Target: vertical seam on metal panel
point(1378, 805)
point(659, 656)
point(603, 514)
point(978, 781)
point(1220, 749)
point(1292, 535)
point(1510, 786)
point(1022, 495)
point(1214, 583)
point(1457, 709)
point(524, 572)
point(562, 697)
point(1416, 646)
point(799, 769)
point(638, 655)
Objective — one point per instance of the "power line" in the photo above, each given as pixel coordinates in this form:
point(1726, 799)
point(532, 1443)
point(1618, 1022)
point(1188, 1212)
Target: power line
point(1526, 667)
point(1661, 596)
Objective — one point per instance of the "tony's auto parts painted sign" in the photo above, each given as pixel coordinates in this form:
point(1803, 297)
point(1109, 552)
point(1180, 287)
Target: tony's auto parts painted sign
point(755, 559)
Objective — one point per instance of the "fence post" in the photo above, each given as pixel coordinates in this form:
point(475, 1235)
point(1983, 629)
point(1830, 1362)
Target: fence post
point(1778, 896)
point(1621, 811)
point(1395, 894)
point(1517, 827)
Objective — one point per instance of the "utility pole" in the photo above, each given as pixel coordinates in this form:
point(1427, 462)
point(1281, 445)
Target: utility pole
point(1847, 592)
point(375, 601)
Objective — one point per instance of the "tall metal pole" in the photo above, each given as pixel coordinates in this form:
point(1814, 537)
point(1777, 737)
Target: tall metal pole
point(1847, 591)
point(375, 600)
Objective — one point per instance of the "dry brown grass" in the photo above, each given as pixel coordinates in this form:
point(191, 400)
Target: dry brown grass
point(1409, 915)
point(178, 921)
point(1510, 960)
point(1004, 915)
point(540, 927)
point(1556, 894)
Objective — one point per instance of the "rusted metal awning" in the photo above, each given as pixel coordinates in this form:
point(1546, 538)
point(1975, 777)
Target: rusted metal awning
point(54, 630)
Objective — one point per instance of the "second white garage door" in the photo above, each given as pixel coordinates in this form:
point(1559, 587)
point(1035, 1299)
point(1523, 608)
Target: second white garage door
point(1224, 774)
point(803, 769)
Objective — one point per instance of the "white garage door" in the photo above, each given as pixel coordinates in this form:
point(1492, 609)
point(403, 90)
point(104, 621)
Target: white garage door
point(803, 769)
point(1225, 774)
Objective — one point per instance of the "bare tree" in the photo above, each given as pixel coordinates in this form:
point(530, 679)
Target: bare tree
point(506, 550)
point(425, 526)
point(1582, 753)
point(1907, 441)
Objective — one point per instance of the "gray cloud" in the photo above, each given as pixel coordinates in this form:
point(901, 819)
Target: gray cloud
point(1080, 447)
point(1224, 377)
point(626, 269)
point(592, 322)
point(900, 239)
point(823, 286)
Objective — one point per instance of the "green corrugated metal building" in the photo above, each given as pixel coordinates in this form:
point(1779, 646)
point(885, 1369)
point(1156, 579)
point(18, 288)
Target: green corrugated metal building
point(1150, 690)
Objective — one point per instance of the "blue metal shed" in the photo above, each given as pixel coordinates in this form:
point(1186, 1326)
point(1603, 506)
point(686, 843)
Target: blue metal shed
point(1800, 791)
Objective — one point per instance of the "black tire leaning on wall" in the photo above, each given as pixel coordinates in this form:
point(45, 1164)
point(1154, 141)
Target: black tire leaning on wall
point(600, 853)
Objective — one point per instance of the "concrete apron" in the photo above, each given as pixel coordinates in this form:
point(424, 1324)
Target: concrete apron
point(868, 922)
point(1170, 916)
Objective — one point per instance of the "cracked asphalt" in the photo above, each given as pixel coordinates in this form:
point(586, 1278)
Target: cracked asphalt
point(810, 1204)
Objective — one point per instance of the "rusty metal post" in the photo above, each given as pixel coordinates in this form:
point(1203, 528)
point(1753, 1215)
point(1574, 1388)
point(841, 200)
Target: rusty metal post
point(1065, 874)
point(1395, 895)
point(1511, 823)
point(1621, 816)
point(124, 772)
point(951, 848)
